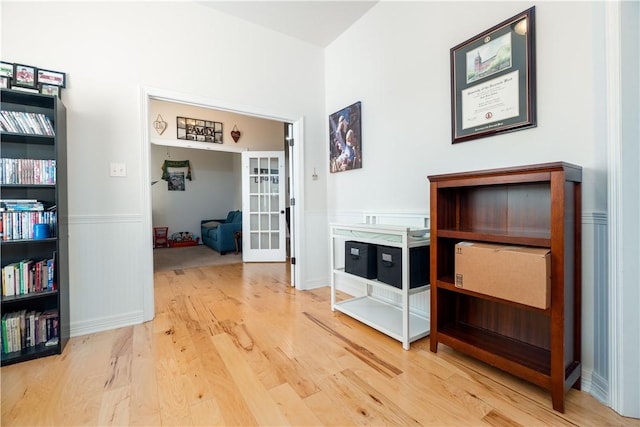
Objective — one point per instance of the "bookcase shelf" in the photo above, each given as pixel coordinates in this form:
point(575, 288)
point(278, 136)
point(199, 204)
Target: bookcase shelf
point(535, 205)
point(37, 148)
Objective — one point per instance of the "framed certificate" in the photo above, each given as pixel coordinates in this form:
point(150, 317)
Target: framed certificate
point(493, 82)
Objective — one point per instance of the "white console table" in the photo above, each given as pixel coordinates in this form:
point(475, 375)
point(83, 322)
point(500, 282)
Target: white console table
point(396, 321)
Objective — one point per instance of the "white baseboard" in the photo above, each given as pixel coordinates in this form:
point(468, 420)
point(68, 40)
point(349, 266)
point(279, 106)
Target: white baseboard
point(106, 323)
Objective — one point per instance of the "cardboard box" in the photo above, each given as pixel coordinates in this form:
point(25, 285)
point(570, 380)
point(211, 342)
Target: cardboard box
point(514, 273)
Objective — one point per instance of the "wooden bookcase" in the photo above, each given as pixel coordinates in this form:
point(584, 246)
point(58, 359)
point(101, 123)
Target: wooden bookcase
point(39, 148)
point(535, 205)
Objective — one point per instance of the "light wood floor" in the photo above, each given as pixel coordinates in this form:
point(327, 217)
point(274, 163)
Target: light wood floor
point(235, 345)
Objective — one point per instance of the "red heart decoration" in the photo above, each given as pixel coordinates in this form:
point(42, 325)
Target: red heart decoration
point(235, 134)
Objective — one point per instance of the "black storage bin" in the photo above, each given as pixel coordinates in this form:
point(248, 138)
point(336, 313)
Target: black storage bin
point(360, 259)
point(390, 266)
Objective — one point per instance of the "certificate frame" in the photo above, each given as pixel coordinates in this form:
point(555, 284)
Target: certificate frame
point(493, 80)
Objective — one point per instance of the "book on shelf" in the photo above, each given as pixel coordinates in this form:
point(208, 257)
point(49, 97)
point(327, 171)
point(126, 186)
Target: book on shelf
point(22, 329)
point(9, 280)
point(19, 225)
point(20, 205)
point(27, 123)
point(28, 171)
point(28, 276)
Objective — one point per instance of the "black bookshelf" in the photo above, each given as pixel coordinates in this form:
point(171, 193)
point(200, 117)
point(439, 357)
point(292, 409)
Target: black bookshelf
point(23, 145)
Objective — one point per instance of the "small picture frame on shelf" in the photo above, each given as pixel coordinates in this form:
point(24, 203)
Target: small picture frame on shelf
point(5, 82)
point(25, 76)
point(6, 69)
point(53, 78)
point(47, 89)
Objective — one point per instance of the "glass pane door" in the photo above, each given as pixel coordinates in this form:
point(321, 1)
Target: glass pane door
point(263, 214)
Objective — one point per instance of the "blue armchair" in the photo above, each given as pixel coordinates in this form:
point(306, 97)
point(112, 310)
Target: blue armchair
point(218, 234)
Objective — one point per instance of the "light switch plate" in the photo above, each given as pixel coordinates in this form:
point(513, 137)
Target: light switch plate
point(117, 169)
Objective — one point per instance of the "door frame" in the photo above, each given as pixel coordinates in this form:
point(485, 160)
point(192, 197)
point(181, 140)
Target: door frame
point(146, 94)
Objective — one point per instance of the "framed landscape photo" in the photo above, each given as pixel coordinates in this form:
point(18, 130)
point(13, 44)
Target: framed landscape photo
point(25, 76)
point(54, 78)
point(493, 80)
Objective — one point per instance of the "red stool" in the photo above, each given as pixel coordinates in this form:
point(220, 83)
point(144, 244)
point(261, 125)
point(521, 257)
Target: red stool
point(160, 237)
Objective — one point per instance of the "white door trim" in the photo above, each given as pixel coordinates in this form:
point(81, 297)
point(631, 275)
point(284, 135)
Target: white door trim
point(623, 351)
point(147, 93)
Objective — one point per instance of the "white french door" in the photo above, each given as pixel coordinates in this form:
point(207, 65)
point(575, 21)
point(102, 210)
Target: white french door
point(263, 214)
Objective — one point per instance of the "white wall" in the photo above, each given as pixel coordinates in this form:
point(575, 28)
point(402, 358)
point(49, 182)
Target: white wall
point(215, 188)
point(395, 60)
point(110, 50)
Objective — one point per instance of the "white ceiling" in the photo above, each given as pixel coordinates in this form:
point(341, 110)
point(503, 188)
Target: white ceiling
point(316, 22)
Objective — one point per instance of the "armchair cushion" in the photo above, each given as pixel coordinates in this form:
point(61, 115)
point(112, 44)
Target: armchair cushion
point(218, 234)
point(210, 224)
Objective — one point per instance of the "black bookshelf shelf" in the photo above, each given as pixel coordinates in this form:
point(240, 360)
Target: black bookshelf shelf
point(54, 304)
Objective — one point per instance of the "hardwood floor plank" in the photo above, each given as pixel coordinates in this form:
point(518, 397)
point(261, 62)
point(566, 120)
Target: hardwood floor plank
point(144, 404)
point(328, 412)
point(236, 345)
point(206, 413)
point(114, 410)
point(261, 405)
point(293, 407)
point(227, 395)
point(291, 372)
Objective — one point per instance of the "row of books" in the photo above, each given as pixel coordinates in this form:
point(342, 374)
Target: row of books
point(21, 225)
point(28, 276)
point(27, 171)
point(23, 122)
point(17, 205)
point(23, 329)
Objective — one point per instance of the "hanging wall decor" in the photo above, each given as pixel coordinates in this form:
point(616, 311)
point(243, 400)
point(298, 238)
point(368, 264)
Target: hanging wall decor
point(493, 80)
point(235, 133)
point(199, 130)
point(176, 181)
point(175, 164)
point(160, 125)
point(345, 143)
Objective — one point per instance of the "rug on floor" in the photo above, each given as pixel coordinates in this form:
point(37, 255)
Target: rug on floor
point(191, 256)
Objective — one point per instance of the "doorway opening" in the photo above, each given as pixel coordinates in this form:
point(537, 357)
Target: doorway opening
point(295, 175)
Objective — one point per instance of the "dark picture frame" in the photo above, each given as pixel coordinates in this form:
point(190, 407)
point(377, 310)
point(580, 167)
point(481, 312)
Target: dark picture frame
point(199, 130)
point(6, 69)
point(493, 80)
point(345, 139)
point(47, 89)
point(25, 76)
point(53, 78)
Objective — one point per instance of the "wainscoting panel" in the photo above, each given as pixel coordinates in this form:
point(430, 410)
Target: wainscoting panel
point(419, 303)
point(105, 272)
point(595, 305)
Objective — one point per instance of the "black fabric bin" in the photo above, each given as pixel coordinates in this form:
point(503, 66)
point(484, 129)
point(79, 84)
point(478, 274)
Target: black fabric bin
point(389, 263)
point(360, 259)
